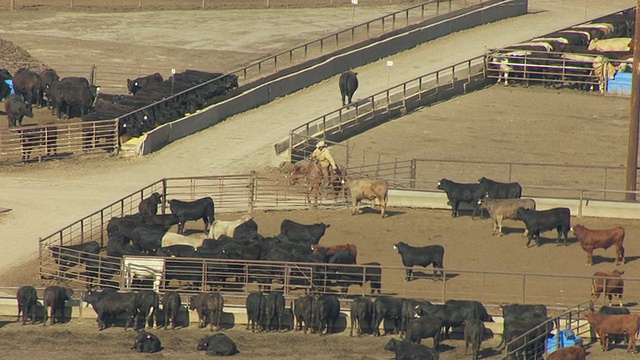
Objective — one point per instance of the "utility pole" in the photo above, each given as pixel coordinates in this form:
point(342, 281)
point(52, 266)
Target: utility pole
point(632, 153)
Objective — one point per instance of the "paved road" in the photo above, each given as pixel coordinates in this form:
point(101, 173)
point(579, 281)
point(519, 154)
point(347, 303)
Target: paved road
point(46, 197)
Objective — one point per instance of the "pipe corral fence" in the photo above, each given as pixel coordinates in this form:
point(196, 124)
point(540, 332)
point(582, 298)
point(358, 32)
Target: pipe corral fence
point(254, 192)
point(267, 79)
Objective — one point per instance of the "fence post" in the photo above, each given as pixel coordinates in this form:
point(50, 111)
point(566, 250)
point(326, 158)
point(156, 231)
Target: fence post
point(291, 146)
point(92, 75)
point(252, 190)
point(412, 184)
point(164, 196)
point(444, 285)
point(524, 282)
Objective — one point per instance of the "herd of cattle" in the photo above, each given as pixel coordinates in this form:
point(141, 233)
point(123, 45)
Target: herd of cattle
point(412, 320)
point(577, 57)
point(71, 97)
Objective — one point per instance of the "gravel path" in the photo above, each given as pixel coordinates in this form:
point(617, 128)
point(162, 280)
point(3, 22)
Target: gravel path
point(45, 197)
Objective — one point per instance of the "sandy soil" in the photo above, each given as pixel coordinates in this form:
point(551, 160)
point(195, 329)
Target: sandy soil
point(46, 196)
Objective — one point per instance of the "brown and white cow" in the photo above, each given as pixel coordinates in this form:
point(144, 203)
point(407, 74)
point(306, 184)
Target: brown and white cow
point(609, 284)
point(500, 209)
point(368, 189)
point(595, 239)
point(606, 325)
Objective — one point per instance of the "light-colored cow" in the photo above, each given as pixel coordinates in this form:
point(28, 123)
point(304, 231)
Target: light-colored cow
point(613, 44)
point(222, 227)
point(368, 189)
point(170, 238)
point(500, 209)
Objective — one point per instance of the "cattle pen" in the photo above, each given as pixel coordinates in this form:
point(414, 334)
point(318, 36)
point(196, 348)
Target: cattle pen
point(254, 193)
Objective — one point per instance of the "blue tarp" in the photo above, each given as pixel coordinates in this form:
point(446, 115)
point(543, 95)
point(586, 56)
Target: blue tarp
point(10, 83)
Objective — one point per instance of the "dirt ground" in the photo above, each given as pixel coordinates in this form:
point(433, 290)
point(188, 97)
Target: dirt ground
point(459, 128)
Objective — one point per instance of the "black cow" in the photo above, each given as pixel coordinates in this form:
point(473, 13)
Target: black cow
point(171, 304)
point(274, 309)
point(193, 210)
point(425, 327)
point(103, 269)
point(458, 192)
point(148, 304)
point(519, 318)
point(387, 308)
point(119, 245)
point(209, 307)
point(371, 272)
point(247, 230)
point(27, 301)
point(327, 311)
point(166, 220)
point(149, 206)
point(308, 234)
point(421, 256)
point(500, 190)
point(474, 334)
point(411, 309)
point(537, 221)
point(28, 84)
point(362, 314)
point(47, 76)
point(108, 304)
point(455, 312)
point(348, 85)
point(406, 350)
point(73, 96)
point(33, 136)
point(177, 251)
point(535, 338)
point(218, 344)
point(69, 256)
point(136, 84)
point(16, 109)
point(255, 305)
point(55, 297)
point(303, 312)
point(146, 342)
point(147, 237)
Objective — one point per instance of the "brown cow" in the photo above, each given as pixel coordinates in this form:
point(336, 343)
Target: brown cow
point(500, 209)
point(368, 189)
point(575, 352)
point(332, 249)
point(606, 325)
point(595, 239)
point(609, 283)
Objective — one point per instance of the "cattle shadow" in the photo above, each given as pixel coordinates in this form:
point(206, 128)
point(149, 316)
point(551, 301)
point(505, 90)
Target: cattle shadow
point(552, 241)
point(441, 347)
point(487, 352)
point(512, 230)
point(376, 211)
point(426, 274)
point(599, 259)
point(188, 232)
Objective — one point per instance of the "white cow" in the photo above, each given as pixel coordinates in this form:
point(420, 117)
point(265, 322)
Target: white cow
point(221, 227)
point(170, 238)
point(143, 267)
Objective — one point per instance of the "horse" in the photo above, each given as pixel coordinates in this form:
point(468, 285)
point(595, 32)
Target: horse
point(312, 173)
point(314, 180)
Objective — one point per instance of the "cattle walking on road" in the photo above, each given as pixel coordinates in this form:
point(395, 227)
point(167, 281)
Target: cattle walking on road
point(348, 83)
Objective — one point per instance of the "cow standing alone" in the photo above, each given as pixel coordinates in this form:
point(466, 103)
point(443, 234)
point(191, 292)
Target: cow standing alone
point(421, 256)
point(348, 85)
point(594, 239)
point(368, 189)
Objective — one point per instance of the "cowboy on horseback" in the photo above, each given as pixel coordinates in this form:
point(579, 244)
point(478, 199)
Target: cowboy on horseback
point(328, 165)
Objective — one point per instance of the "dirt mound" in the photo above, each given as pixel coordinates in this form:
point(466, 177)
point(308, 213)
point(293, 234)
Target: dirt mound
point(13, 57)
